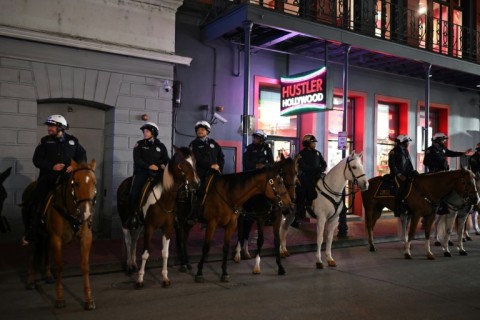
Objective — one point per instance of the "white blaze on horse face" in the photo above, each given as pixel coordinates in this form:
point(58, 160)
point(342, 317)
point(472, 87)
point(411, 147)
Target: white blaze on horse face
point(88, 211)
point(190, 160)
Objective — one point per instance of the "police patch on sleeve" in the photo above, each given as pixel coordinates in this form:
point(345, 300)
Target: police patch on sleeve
point(158, 149)
point(212, 146)
point(71, 142)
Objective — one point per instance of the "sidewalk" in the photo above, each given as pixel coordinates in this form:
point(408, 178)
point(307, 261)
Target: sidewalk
point(107, 254)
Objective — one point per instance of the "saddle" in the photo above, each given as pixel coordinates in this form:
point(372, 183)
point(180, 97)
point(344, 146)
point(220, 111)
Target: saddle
point(388, 187)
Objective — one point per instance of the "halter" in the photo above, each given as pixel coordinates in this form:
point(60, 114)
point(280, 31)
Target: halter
point(355, 178)
point(74, 195)
point(277, 194)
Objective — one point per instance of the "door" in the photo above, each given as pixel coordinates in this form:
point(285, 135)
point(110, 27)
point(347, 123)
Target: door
point(87, 124)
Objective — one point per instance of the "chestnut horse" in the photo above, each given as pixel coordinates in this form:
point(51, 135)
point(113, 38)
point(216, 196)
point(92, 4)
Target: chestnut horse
point(224, 198)
point(68, 216)
point(423, 199)
point(329, 203)
point(259, 209)
point(4, 225)
point(179, 174)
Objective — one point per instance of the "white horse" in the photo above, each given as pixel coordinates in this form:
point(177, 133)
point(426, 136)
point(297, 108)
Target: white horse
point(329, 203)
point(458, 209)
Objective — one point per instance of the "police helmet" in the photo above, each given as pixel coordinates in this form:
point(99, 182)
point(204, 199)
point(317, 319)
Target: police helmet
point(261, 134)
point(307, 139)
point(57, 120)
point(150, 126)
point(439, 136)
point(403, 138)
point(202, 124)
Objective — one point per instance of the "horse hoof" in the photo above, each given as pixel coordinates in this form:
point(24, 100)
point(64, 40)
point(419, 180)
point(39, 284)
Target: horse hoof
point(430, 257)
point(59, 304)
point(199, 279)
point(236, 259)
point(447, 254)
point(90, 305)
point(49, 279)
point(30, 286)
point(256, 272)
point(372, 249)
point(247, 256)
point(463, 253)
point(285, 254)
point(468, 238)
point(408, 256)
point(437, 244)
point(281, 272)
point(319, 265)
point(166, 284)
point(332, 263)
point(139, 285)
point(225, 278)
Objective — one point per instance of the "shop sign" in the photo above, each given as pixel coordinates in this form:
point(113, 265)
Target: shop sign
point(304, 92)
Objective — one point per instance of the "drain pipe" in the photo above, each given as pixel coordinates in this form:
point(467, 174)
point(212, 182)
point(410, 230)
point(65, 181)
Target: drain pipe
point(428, 68)
point(247, 26)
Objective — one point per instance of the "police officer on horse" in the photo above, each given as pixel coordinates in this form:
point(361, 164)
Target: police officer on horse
point(150, 157)
point(401, 169)
point(474, 165)
point(53, 157)
point(258, 153)
point(436, 155)
point(311, 166)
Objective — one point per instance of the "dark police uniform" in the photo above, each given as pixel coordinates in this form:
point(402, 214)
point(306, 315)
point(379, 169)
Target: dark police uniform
point(145, 153)
point(400, 166)
point(474, 162)
point(436, 157)
point(206, 152)
point(257, 154)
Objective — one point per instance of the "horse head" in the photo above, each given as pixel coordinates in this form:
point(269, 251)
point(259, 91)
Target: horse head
point(289, 173)
point(354, 171)
point(466, 186)
point(83, 183)
point(181, 168)
point(283, 169)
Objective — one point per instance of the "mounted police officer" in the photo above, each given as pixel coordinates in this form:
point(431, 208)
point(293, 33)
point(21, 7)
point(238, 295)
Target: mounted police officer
point(258, 153)
point(150, 157)
point(401, 168)
point(311, 166)
point(209, 159)
point(53, 157)
point(474, 165)
point(436, 155)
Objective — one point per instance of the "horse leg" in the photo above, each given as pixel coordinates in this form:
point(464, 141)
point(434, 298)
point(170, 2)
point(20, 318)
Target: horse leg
point(86, 245)
point(241, 232)
point(276, 242)
point(182, 230)
point(283, 231)
point(320, 228)
point(461, 226)
point(149, 229)
point(229, 230)
point(31, 267)
point(56, 245)
point(443, 229)
point(331, 225)
point(260, 240)
point(127, 237)
point(474, 216)
point(371, 217)
point(205, 250)
point(165, 247)
point(411, 233)
point(428, 227)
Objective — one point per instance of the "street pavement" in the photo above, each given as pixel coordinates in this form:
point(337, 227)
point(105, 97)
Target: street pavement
point(364, 285)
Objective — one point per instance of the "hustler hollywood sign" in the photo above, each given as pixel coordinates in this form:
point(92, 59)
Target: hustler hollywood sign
point(304, 93)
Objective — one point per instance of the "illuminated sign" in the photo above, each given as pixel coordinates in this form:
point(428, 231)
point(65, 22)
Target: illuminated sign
point(304, 93)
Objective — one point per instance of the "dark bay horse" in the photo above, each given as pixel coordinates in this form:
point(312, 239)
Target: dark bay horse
point(223, 200)
point(68, 216)
point(179, 174)
point(4, 225)
point(259, 209)
point(423, 199)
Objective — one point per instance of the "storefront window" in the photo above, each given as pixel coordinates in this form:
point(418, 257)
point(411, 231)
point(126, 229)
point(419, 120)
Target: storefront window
point(387, 130)
point(335, 125)
point(432, 128)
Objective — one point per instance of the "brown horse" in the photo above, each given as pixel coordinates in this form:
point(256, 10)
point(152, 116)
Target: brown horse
point(259, 209)
point(426, 193)
point(179, 174)
point(224, 198)
point(4, 225)
point(68, 216)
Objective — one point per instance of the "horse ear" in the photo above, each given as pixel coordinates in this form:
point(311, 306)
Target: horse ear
point(93, 164)
point(74, 164)
point(360, 154)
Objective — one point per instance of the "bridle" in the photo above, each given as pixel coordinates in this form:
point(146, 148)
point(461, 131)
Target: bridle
point(76, 201)
point(354, 178)
point(278, 195)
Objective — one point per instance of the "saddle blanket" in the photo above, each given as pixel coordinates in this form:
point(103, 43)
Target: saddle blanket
point(388, 188)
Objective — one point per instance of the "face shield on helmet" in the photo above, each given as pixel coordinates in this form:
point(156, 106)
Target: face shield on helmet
point(307, 139)
point(58, 121)
point(202, 124)
point(402, 138)
point(150, 126)
point(260, 134)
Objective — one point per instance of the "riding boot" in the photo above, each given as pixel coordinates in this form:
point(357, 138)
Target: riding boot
point(193, 215)
point(133, 221)
point(399, 207)
point(309, 208)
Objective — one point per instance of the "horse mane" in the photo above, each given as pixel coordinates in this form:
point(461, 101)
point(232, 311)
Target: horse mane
point(168, 174)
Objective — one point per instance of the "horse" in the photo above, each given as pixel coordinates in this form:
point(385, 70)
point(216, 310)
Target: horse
point(259, 209)
point(4, 225)
point(458, 210)
point(68, 216)
point(179, 172)
point(329, 203)
point(223, 200)
point(426, 193)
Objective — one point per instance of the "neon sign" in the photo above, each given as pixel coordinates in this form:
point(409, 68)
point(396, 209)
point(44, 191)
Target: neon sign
point(304, 93)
